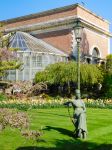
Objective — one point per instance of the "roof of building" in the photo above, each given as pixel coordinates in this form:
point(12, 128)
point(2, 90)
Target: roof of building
point(48, 12)
point(26, 42)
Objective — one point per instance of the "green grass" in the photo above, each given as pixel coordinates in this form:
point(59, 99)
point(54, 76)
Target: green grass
point(58, 129)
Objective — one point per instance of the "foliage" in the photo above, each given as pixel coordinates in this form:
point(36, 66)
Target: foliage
point(21, 89)
point(107, 82)
point(8, 61)
point(41, 76)
point(3, 97)
point(19, 120)
point(48, 102)
point(31, 134)
point(22, 86)
point(13, 119)
point(109, 63)
point(91, 74)
point(33, 104)
point(8, 57)
point(37, 89)
point(23, 107)
point(99, 103)
point(107, 85)
point(64, 76)
point(26, 87)
point(61, 73)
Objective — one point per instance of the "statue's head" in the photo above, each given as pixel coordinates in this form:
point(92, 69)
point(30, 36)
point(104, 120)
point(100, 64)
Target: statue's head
point(77, 93)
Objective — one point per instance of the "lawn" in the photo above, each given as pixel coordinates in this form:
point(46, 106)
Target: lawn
point(58, 129)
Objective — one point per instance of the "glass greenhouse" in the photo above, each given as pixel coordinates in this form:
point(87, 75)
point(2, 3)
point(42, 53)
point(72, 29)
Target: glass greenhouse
point(35, 55)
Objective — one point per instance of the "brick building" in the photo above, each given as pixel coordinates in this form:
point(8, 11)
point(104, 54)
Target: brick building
point(55, 27)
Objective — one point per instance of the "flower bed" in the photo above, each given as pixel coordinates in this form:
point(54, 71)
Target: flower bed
point(99, 103)
point(25, 104)
point(34, 103)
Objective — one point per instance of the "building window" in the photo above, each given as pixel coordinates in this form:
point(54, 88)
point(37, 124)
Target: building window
point(95, 53)
point(26, 74)
point(95, 56)
point(34, 71)
point(12, 74)
point(20, 75)
point(27, 61)
point(36, 61)
point(88, 60)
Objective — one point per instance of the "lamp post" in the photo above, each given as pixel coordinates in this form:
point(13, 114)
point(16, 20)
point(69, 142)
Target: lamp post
point(78, 28)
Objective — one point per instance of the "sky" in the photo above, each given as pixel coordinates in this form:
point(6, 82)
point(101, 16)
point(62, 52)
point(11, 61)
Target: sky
point(16, 8)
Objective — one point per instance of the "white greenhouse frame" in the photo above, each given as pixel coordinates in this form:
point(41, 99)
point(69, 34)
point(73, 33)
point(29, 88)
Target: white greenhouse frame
point(35, 55)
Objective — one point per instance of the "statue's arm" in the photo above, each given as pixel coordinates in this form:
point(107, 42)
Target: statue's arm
point(69, 103)
point(84, 107)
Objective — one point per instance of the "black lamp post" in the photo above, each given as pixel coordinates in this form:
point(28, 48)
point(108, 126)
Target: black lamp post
point(78, 28)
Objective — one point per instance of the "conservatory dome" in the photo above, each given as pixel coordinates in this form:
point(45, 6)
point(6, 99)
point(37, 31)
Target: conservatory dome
point(35, 55)
point(27, 42)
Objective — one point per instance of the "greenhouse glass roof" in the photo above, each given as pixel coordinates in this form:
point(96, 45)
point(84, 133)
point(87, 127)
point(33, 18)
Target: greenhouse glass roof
point(26, 42)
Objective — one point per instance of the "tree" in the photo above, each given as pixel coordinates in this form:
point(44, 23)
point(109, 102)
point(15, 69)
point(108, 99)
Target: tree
point(61, 74)
point(8, 61)
point(109, 64)
point(107, 83)
point(8, 56)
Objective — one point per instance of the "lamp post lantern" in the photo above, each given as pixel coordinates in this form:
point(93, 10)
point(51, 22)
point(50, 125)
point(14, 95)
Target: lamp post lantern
point(78, 28)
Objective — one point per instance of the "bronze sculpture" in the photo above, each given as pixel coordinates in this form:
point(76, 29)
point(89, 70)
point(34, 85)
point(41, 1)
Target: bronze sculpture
point(79, 116)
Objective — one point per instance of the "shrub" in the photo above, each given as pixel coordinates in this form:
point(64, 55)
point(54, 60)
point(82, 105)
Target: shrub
point(61, 78)
point(107, 82)
point(13, 119)
point(18, 120)
point(3, 97)
point(31, 134)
